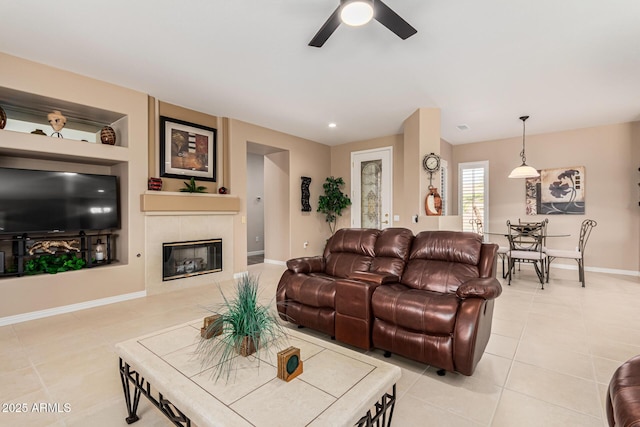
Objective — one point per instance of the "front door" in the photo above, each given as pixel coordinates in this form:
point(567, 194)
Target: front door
point(371, 184)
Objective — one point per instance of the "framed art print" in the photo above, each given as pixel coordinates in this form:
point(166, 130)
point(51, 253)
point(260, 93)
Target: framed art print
point(187, 150)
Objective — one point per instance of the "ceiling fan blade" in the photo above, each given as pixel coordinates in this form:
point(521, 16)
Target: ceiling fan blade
point(327, 29)
point(387, 17)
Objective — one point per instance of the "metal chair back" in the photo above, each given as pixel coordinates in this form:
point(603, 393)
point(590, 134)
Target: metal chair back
point(476, 226)
point(526, 236)
point(585, 232)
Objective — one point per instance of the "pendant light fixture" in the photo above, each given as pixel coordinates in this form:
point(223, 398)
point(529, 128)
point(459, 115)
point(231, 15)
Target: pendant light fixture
point(524, 171)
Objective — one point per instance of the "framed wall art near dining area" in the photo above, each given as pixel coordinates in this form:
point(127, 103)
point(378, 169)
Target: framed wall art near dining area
point(187, 150)
point(558, 191)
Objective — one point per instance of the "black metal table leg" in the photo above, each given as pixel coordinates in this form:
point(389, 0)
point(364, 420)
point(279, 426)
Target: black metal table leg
point(131, 401)
point(132, 379)
point(386, 404)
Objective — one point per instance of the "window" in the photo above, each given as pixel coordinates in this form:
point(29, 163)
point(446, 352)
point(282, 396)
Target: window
point(473, 204)
point(444, 186)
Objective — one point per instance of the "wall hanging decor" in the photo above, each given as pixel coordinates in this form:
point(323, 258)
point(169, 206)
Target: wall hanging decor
point(187, 150)
point(306, 194)
point(558, 191)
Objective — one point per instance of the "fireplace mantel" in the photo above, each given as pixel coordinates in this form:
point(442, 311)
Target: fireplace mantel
point(170, 201)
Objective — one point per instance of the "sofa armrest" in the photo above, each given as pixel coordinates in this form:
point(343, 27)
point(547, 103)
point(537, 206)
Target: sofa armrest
point(353, 297)
point(306, 265)
point(379, 279)
point(487, 288)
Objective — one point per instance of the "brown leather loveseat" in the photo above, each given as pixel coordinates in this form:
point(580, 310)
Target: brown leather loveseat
point(429, 298)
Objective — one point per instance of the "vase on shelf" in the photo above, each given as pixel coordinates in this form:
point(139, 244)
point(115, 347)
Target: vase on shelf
point(108, 135)
point(3, 118)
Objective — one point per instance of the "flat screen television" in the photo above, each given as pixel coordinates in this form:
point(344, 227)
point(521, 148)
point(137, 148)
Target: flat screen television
point(38, 201)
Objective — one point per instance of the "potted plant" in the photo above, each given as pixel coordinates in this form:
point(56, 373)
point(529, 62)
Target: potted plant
point(333, 202)
point(191, 187)
point(246, 326)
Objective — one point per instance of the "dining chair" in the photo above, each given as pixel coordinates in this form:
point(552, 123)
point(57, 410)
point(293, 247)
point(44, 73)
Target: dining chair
point(476, 226)
point(578, 254)
point(526, 245)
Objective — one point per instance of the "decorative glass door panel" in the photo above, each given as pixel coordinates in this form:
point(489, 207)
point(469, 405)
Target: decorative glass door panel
point(371, 188)
point(370, 178)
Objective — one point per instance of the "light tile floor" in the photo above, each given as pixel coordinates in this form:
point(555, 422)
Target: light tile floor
point(548, 362)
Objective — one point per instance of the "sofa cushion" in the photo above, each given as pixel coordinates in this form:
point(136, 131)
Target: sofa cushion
point(350, 250)
point(453, 246)
point(437, 276)
point(440, 261)
point(416, 310)
point(314, 291)
point(392, 251)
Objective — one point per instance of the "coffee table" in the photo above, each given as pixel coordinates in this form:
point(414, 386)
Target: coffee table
point(338, 386)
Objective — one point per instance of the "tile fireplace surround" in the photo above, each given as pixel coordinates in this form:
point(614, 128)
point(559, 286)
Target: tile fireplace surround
point(175, 227)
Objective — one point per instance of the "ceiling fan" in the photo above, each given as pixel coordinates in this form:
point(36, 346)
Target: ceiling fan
point(359, 12)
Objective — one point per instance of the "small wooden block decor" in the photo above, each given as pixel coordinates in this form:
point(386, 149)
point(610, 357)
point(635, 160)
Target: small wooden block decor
point(289, 364)
point(210, 330)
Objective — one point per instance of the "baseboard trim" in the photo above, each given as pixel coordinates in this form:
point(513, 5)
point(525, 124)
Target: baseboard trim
point(275, 262)
point(18, 318)
point(254, 253)
point(597, 269)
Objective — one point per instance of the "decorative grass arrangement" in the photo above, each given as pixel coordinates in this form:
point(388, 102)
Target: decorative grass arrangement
point(244, 323)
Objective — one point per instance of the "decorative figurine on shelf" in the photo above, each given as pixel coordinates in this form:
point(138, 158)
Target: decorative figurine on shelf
point(52, 246)
point(433, 202)
point(3, 118)
point(222, 190)
point(108, 135)
point(57, 122)
point(155, 184)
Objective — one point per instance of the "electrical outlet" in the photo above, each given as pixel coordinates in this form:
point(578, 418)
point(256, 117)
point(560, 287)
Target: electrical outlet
point(305, 245)
point(257, 238)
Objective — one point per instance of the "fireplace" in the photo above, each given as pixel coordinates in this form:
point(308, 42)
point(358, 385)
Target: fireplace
point(192, 258)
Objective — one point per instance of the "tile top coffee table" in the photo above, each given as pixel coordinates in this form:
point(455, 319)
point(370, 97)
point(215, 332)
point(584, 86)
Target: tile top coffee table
point(338, 386)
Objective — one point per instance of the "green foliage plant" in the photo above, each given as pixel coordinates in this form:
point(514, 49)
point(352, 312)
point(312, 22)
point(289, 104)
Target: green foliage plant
point(333, 202)
point(240, 317)
point(191, 187)
point(53, 264)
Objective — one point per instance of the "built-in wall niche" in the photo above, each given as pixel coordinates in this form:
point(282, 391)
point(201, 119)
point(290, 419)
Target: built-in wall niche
point(27, 112)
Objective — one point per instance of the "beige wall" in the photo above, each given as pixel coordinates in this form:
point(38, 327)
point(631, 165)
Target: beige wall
point(306, 158)
point(446, 153)
point(255, 202)
point(28, 294)
point(611, 159)
point(277, 204)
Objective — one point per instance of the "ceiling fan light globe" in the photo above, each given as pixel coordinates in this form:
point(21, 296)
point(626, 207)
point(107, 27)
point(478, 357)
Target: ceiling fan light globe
point(524, 171)
point(356, 13)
